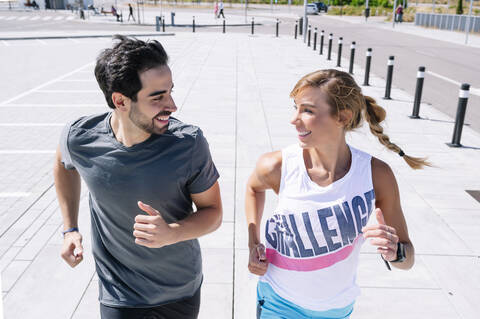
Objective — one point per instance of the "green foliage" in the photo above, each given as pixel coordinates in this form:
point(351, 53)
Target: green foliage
point(357, 11)
point(460, 7)
point(385, 4)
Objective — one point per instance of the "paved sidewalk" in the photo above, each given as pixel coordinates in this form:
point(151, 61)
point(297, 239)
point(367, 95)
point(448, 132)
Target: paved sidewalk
point(236, 87)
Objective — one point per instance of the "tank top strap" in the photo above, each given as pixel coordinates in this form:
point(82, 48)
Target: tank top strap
point(291, 155)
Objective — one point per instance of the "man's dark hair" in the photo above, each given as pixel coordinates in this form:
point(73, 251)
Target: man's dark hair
point(118, 68)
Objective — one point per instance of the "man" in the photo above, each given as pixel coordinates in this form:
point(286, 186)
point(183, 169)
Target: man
point(220, 7)
point(143, 169)
point(130, 12)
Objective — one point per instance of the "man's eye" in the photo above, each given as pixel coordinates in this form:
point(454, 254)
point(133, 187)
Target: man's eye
point(308, 111)
point(158, 98)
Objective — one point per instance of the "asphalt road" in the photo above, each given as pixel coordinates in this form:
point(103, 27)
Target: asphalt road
point(448, 61)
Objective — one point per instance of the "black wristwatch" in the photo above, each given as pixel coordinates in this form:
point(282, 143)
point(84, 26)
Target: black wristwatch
point(400, 255)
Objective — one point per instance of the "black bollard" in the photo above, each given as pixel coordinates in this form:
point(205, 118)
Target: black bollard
point(309, 34)
point(352, 57)
point(157, 24)
point(322, 34)
point(193, 24)
point(223, 25)
point(300, 26)
point(163, 24)
point(388, 88)
point(296, 29)
point(367, 67)
point(459, 119)
point(339, 53)
point(315, 40)
point(330, 39)
point(418, 93)
point(276, 29)
point(253, 26)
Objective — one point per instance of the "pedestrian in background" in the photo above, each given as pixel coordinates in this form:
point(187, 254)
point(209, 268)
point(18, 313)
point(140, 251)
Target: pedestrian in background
point(220, 7)
point(215, 10)
point(399, 13)
point(130, 12)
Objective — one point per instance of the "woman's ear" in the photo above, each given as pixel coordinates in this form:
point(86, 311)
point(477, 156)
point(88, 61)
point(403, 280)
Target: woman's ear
point(120, 101)
point(345, 117)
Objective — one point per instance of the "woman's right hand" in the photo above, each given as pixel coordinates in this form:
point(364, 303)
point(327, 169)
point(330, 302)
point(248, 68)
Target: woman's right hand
point(257, 262)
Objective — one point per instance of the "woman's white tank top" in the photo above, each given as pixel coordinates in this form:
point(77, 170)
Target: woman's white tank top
point(313, 238)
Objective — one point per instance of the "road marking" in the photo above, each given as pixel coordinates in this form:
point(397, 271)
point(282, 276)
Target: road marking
point(11, 18)
point(45, 84)
point(47, 18)
point(35, 18)
point(51, 105)
point(2, 17)
point(30, 124)
point(473, 91)
point(22, 18)
point(78, 80)
point(70, 18)
point(16, 194)
point(58, 18)
point(20, 152)
point(68, 91)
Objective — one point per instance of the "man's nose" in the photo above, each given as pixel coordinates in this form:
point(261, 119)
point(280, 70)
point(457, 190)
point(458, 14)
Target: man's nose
point(171, 106)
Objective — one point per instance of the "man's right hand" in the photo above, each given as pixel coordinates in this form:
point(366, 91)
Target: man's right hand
point(257, 262)
point(72, 250)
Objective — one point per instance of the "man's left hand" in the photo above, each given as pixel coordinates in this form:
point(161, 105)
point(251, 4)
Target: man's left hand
point(151, 230)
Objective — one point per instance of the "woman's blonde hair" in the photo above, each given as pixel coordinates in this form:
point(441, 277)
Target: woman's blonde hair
point(342, 93)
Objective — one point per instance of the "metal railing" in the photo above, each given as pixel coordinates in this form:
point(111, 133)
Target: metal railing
point(451, 22)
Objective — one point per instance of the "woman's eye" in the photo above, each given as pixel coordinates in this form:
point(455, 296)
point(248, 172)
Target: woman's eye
point(308, 111)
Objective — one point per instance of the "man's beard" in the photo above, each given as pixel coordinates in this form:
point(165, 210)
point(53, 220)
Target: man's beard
point(143, 122)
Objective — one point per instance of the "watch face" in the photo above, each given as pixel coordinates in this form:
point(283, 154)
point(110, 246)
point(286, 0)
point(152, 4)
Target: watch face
point(400, 252)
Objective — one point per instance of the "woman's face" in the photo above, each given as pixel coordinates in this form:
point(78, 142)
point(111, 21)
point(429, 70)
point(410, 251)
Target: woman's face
point(313, 120)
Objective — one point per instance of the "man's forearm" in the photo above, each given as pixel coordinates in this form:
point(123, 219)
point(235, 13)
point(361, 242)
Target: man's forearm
point(68, 187)
point(202, 222)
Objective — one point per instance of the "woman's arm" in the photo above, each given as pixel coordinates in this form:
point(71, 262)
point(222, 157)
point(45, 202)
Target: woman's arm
point(266, 175)
point(391, 227)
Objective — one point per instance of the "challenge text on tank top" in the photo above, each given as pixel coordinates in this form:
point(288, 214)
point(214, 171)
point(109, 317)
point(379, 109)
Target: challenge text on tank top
point(313, 238)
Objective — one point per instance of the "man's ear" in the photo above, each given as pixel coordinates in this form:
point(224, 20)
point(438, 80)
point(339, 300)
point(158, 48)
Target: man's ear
point(121, 102)
point(345, 117)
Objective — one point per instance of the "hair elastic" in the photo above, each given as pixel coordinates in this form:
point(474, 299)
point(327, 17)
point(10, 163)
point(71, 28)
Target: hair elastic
point(401, 153)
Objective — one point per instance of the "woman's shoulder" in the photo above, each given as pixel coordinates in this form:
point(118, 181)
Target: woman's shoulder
point(269, 163)
point(384, 181)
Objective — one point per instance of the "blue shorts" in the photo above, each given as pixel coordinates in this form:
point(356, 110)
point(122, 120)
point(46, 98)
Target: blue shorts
point(272, 306)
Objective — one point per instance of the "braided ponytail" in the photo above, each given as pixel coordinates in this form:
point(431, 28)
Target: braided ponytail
point(374, 115)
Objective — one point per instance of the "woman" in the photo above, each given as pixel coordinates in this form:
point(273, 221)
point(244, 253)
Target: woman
point(327, 191)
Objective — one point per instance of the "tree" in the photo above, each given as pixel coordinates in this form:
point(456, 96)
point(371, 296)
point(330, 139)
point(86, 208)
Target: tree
point(460, 7)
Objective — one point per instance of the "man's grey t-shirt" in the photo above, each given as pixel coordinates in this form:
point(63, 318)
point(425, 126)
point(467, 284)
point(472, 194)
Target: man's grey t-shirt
point(162, 171)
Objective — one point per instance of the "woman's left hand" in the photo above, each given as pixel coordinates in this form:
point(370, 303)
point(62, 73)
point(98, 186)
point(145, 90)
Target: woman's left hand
point(383, 236)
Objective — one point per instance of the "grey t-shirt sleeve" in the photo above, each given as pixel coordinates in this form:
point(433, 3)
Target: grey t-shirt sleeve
point(66, 158)
point(203, 173)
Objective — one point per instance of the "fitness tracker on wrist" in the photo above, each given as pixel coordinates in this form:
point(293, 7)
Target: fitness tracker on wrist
point(400, 253)
point(69, 230)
